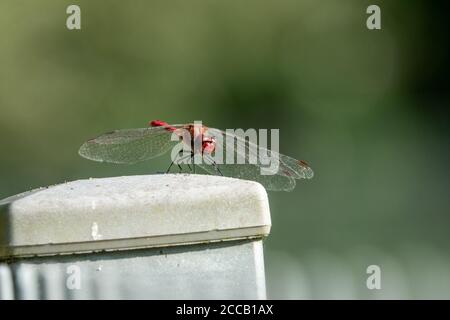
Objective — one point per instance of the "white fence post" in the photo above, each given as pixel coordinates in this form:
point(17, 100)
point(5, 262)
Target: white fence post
point(136, 237)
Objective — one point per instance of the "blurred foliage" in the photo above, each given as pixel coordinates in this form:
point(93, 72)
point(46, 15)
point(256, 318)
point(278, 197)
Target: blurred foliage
point(367, 109)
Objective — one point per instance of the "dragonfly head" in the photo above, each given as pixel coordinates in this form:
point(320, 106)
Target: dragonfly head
point(208, 145)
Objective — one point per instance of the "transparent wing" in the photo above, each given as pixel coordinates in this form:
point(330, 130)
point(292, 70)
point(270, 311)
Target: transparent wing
point(294, 167)
point(251, 172)
point(287, 166)
point(283, 179)
point(128, 146)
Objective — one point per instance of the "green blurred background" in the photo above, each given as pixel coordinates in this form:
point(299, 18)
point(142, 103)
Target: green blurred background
point(367, 109)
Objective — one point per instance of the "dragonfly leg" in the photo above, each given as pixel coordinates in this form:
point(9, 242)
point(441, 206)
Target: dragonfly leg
point(217, 168)
point(171, 164)
point(193, 162)
point(215, 165)
point(168, 169)
point(182, 159)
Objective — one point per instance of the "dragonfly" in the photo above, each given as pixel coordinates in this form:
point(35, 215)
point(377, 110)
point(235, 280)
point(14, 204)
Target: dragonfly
point(128, 146)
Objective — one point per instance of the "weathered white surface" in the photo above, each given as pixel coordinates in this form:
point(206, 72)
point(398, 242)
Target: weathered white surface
point(228, 270)
point(131, 212)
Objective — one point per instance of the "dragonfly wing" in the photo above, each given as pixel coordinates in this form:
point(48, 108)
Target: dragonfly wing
point(300, 170)
point(128, 146)
point(251, 172)
point(288, 166)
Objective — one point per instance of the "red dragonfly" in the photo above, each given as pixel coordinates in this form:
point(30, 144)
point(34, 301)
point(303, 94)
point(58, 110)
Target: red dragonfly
point(134, 145)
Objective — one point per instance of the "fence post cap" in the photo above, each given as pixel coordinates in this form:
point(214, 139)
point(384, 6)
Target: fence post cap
point(132, 212)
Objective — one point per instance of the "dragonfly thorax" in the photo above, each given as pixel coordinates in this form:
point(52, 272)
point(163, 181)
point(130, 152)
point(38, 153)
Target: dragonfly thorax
point(193, 135)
